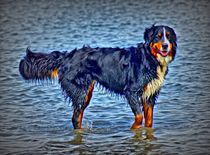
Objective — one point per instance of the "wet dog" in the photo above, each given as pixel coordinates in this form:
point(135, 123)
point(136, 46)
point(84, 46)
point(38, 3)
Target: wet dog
point(134, 72)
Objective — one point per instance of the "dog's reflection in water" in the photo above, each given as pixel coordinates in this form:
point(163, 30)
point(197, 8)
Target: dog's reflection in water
point(144, 134)
point(139, 135)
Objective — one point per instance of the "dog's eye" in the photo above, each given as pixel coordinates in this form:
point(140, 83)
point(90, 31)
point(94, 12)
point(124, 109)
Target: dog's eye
point(167, 34)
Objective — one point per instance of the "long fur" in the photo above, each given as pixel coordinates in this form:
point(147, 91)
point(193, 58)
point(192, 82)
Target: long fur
point(39, 66)
point(134, 72)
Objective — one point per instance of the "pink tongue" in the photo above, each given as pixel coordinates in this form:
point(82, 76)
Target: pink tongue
point(164, 53)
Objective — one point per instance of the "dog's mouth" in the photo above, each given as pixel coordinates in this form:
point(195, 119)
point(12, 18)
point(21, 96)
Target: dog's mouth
point(163, 53)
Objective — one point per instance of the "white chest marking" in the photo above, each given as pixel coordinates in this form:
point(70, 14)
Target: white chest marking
point(155, 85)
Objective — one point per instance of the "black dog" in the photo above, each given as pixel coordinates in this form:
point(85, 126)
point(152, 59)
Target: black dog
point(135, 72)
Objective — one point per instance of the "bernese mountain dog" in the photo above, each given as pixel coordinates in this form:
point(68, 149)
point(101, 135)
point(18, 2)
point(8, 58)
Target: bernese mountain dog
point(136, 72)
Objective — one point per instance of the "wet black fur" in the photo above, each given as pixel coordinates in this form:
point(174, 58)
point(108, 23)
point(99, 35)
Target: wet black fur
point(124, 71)
point(38, 66)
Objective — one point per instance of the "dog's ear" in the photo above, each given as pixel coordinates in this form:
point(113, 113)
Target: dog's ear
point(148, 33)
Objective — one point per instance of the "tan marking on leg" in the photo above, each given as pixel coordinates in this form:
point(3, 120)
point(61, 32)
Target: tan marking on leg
point(148, 115)
point(80, 119)
point(86, 103)
point(89, 92)
point(138, 122)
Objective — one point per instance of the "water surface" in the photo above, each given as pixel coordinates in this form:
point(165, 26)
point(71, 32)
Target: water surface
point(35, 119)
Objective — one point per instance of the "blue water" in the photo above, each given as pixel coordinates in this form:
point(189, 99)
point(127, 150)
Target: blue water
point(35, 119)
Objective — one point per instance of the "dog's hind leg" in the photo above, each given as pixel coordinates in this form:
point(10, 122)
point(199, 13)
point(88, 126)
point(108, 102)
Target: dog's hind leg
point(135, 105)
point(79, 111)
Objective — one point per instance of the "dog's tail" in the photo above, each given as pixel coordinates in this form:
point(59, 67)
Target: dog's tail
point(41, 66)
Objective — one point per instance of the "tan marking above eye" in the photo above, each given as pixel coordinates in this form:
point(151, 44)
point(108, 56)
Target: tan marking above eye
point(167, 34)
point(160, 35)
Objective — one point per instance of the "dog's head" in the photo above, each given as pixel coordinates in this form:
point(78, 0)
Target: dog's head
point(162, 42)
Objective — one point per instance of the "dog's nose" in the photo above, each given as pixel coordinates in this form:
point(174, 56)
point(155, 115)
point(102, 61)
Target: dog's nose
point(165, 46)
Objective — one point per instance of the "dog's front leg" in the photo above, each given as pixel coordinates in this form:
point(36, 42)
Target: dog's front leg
point(135, 105)
point(148, 113)
point(137, 122)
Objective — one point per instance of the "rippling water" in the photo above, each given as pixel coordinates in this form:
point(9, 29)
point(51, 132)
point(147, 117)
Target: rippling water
point(36, 119)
